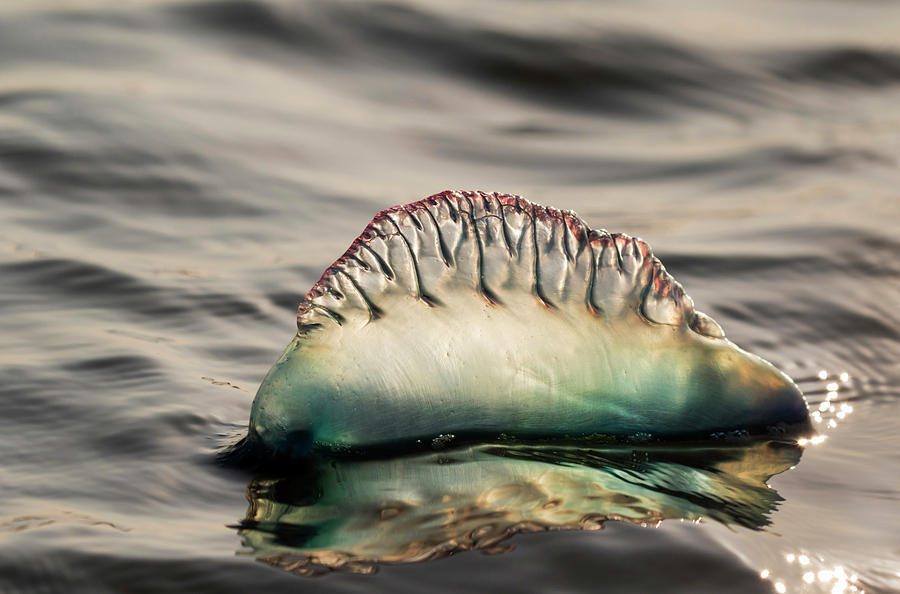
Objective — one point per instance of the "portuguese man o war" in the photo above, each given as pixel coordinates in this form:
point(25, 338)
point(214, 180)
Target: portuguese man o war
point(472, 316)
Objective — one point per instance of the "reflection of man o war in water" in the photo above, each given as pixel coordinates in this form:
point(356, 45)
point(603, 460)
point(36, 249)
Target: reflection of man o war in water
point(474, 315)
point(353, 515)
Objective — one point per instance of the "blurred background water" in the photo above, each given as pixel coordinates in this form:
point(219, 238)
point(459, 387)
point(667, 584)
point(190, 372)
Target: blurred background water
point(175, 174)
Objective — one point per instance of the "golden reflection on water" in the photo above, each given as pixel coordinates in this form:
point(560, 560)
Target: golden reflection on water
point(828, 397)
point(812, 573)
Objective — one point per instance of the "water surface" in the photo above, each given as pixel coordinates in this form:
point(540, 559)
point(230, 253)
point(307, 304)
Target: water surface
point(174, 175)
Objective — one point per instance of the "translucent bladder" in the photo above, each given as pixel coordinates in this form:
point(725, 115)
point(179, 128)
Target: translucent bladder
point(467, 316)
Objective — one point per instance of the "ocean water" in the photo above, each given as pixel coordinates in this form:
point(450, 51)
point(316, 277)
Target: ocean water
point(175, 175)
